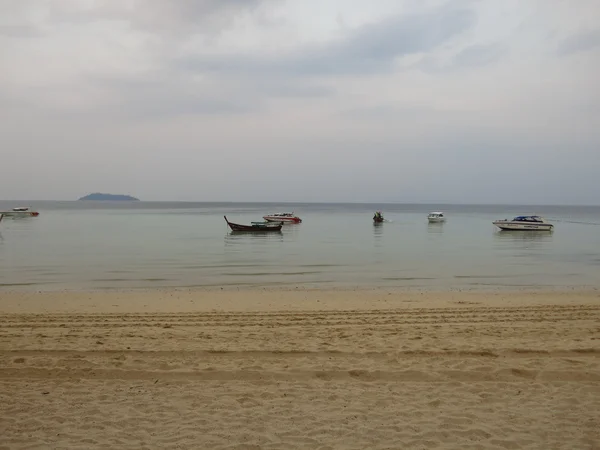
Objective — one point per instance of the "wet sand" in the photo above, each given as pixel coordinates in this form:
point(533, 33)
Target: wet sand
point(244, 369)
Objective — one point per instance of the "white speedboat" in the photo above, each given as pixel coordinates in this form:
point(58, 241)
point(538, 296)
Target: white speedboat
point(21, 211)
point(436, 217)
point(286, 217)
point(527, 223)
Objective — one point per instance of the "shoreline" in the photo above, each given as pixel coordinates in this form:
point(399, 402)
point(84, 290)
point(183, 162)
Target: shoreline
point(304, 286)
point(262, 299)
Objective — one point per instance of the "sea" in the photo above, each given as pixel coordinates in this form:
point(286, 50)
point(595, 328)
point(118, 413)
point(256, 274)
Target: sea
point(131, 245)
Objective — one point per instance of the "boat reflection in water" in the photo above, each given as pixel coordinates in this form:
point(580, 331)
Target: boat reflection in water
point(252, 234)
point(252, 243)
point(378, 230)
point(435, 227)
point(524, 244)
point(522, 235)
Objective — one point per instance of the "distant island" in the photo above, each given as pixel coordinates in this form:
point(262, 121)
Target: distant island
point(112, 197)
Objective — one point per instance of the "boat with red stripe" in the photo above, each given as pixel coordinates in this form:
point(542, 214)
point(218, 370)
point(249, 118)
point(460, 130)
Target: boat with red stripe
point(20, 211)
point(285, 217)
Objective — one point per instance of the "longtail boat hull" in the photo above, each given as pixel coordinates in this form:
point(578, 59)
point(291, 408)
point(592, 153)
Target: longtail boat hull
point(256, 227)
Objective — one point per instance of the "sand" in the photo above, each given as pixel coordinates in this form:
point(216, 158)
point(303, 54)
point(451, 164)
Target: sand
point(285, 369)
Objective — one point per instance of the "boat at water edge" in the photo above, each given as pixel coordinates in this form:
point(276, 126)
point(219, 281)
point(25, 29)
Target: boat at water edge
point(255, 227)
point(285, 217)
point(524, 223)
point(20, 211)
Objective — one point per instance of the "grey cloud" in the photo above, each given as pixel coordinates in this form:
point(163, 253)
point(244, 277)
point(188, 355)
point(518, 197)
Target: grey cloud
point(580, 42)
point(19, 31)
point(283, 89)
point(386, 111)
point(470, 57)
point(166, 97)
point(120, 99)
point(164, 106)
point(171, 94)
point(369, 49)
point(406, 113)
point(153, 16)
point(479, 55)
point(187, 15)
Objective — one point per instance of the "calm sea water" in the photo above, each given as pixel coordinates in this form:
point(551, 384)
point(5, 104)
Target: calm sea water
point(90, 245)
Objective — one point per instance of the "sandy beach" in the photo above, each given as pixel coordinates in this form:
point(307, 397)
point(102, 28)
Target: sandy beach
point(318, 369)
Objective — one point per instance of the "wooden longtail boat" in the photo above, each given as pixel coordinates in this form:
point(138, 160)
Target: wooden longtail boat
point(255, 227)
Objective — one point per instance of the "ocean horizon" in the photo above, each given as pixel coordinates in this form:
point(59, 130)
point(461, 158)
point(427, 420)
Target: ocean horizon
point(20, 202)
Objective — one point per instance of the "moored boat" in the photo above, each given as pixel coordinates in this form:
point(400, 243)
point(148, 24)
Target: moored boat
point(526, 223)
point(436, 217)
point(285, 217)
point(255, 227)
point(21, 211)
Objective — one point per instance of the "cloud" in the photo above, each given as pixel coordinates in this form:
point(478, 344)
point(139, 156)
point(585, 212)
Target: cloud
point(478, 55)
point(123, 59)
point(386, 111)
point(19, 31)
point(188, 16)
point(368, 49)
point(286, 89)
point(470, 57)
point(183, 93)
point(169, 94)
point(580, 42)
point(153, 16)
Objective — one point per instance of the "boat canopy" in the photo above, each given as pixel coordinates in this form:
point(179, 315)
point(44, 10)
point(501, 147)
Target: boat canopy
point(264, 224)
point(528, 219)
point(436, 213)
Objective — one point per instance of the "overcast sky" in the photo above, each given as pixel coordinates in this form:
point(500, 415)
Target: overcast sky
point(306, 100)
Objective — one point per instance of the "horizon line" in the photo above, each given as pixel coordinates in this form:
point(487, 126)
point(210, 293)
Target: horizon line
point(309, 202)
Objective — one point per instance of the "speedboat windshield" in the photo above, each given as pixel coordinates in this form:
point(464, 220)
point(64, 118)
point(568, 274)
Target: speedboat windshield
point(528, 219)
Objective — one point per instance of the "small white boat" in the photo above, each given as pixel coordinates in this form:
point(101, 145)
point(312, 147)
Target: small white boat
point(286, 217)
point(526, 223)
point(436, 217)
point(20, 211)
